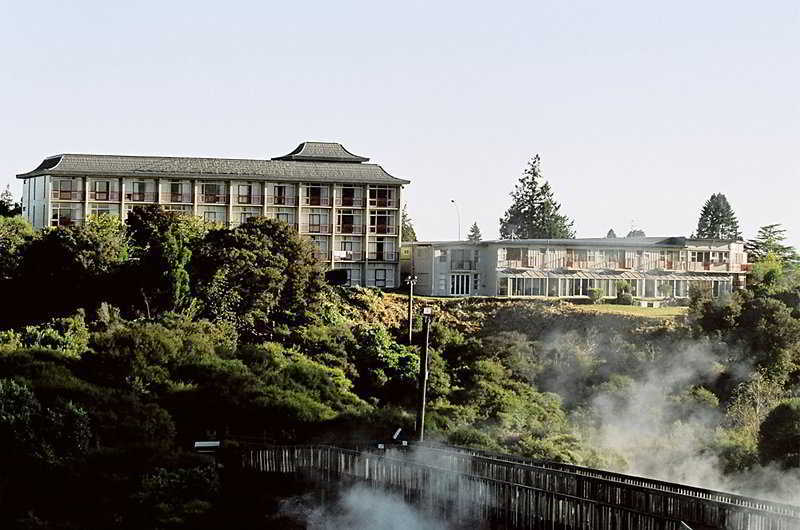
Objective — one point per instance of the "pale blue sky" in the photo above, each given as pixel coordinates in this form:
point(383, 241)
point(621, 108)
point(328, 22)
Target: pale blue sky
point(640, 110)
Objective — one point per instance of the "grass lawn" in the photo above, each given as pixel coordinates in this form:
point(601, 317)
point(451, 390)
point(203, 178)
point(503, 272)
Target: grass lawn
point(654, 312)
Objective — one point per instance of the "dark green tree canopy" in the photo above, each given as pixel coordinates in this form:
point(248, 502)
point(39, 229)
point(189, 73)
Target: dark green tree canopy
point(611, 234)
point(408, 233)
point(8, 206)
point(779, 436)
point(770, 240)
point(534, 212)
point(717, 220)
point(636, 232)
point(474, 234)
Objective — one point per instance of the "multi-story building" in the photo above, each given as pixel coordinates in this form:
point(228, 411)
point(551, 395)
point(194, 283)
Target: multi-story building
point(653, 267)
point(349, 209)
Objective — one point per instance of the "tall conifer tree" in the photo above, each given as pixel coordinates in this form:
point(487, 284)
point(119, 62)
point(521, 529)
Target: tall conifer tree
point(534, 212)
point(717, 220)
point(474, 233)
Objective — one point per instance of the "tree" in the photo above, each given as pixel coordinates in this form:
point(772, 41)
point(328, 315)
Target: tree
point(636, 232)
point(14, 232)
point(779, 436)
point(534, 212)
point(409, 234)
point(770, 239)
point(8, 206)
point(161, 248)
point(611, 234)
point(717, 220)
point(474, 233)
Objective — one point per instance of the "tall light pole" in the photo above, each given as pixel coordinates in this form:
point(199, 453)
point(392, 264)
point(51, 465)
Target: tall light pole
point(411, 280)
point(458, 212)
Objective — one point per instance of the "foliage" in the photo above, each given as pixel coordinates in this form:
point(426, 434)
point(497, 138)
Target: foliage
point(408, 232)
point(534, 212)
point(68, 335)
point(636, 232)
point(779, 436)
point(259, 276)
point(474, 234)
point(769, 240)
point(596, 295)
point(14, 233)
point(717, 220)
point(8, 206)
point(611, 234)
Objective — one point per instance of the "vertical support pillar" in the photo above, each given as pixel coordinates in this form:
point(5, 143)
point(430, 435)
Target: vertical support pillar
point(264, 190)
point(195, 196)
point(333, 222)
point(399, 224)
point(367, 229)
point(85, 199)
point(158, 191)
point(48, 200)
point(122, 213)
point(231, 184)
point(299, 218)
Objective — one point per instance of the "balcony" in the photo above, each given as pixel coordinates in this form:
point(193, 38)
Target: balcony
point(104, 196)
point(281, 200)
point(347, 255)
point(249, 199)
point(463, 265)
point(383, 229)
point(382, 203)
point(136, 196)
point(350, 229)
point(66, 195)
point(383, 256)
point(350, 202)
point(180, 198)
point(312, 228)
point(213, 198)
point(315, 200)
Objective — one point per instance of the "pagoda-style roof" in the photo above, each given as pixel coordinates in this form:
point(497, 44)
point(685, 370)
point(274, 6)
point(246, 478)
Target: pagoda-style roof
point(310, 162)
point(322, 152)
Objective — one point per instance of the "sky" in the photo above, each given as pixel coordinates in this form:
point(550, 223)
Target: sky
point(639, 110)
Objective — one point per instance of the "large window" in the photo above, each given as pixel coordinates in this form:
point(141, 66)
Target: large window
point(382, 222)
point(212, 193)
point(64, 189)
point(64, 215)
point(380, 277)
point(138, 191)
point(244, 194)
point(101, 190)
point(381, 197)
point(460, 284)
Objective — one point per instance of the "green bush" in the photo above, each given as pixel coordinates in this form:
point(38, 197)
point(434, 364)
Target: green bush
point(596, 295)
point(779, 435)
point(624, 298)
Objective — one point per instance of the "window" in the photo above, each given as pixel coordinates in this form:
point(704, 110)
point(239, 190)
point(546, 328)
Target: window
point(381, 197)
point(316, 195)
point(245, 194)
point(211, 217)
point(459, 284)
point(349, 222)
point(63, 190)
point(382, 222)
point(101, 209)
point(63, 215)
point(348, 197)
point(100, 190)
point(380, 277)
point(175, 192)
point(212, 193)
point(138, 191)
point(442, 255)
point(248, 214)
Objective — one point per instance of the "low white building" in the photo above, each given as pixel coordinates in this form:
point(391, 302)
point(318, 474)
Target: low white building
point(653, 267)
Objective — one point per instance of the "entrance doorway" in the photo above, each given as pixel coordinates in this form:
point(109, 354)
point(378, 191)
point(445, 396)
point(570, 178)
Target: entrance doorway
point(459, 284)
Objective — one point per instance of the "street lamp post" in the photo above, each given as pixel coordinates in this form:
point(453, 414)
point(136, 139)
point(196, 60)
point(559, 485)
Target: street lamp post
point(458, 212)
point(427, 316)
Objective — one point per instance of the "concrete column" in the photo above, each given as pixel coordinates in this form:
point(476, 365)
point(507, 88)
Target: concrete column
point(195, 195)
point(231, 184)
point(158, 191)
point(333, 223)
point(367, 226)
point(299, 212)
point(264, 188)
point(85, 199)
point(122, 198)
point(399, 224)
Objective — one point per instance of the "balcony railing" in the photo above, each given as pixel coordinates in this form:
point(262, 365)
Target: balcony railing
point(383, 229)
point(137, 196)
point(312, 228)
point(282, 200)
point(185, 198)
point(382, 256)
point(347, 255)
point(463, 265)
point(350, 202)
point(66, 221)
point(214, 198)
point(64, 195)
point(383, 203)
point(104, 196)
point(315, 200)
point(350, 229)
point(249, 199)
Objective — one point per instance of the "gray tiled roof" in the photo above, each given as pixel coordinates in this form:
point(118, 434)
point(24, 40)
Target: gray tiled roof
point(161, 166)
point(322, 152)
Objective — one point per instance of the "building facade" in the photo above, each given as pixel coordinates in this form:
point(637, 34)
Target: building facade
point(349, 209)
point(652, 267)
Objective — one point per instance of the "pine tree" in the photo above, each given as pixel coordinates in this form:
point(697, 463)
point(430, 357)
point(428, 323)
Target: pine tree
point(717, 220)
point(474, 233)
point(534, 212)
point(636, 232)
point(611, 234)
point(9, 207)
point(770, 240)
point(408, 232)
